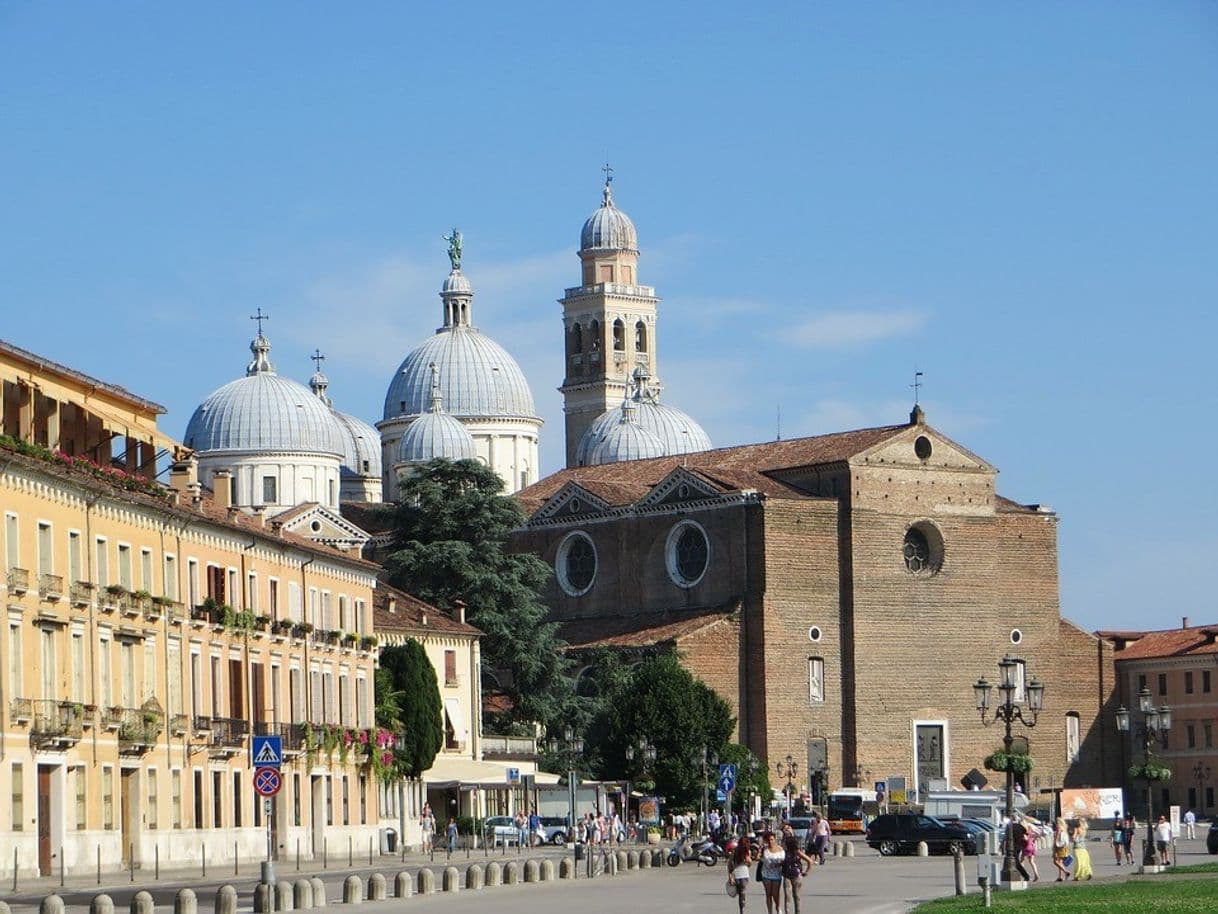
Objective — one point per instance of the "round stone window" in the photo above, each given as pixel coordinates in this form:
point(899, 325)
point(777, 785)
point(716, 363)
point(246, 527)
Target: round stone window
point(814, 633)
point(923, 549)
point(1016, 636)
point(688, 553)
point(923, 448)
point(575, 565)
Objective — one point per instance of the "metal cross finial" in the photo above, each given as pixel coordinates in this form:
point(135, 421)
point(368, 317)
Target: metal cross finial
point(916, 385)
point(260, 317)
point(608, 170)
point(317, 358)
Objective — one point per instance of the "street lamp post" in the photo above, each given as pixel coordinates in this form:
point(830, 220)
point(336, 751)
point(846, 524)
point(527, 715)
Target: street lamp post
point(569, 748)
point(709, 760)
point(788, 768)
point(1155, 724)
point(1008, 711)
point(1201, 774)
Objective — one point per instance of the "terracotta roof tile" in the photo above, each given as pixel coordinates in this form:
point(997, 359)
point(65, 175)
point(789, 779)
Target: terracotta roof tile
point(407, 617)
point(638, 631)
point(1175, 642)
point(371, 517)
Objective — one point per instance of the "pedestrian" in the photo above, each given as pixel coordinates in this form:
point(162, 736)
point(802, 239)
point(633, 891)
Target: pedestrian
point(1131, 831)
point(428, 823)
point(1082, 857)
point(738, 869)
point(452, 834)
point(1027, 853)
point(1118, 839)
point(820, 838)
point(1018, 833)
point(522, 829)
point(795, 866)
point(1190, 823)
point(770, 867)
point(1061, 849)
point(536, 832)
point(1163, 836)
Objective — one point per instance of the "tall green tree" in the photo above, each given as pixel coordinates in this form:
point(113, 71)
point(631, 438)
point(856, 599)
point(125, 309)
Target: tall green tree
point(450, 531)
point(662, 702)
point(408, 704)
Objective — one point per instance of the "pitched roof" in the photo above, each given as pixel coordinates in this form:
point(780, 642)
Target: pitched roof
point(732, 468)
point(639, 631)
point(408, 612)
point(116, 391)
point(371, 517)
point(1174, 642)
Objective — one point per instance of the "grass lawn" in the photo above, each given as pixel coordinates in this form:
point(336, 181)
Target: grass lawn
point(1195, 868)
point(1158, 895)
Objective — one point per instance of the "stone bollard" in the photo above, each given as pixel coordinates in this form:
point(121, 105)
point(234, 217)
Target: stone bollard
point(319, 892)
point(632, 860)
point(353, 890)
point(623, 862)
point(531, 871)
point(451, 879)
point(186, 902)
point(426, 884)
point(611, 864)
point(378, 888)
point(226, 900)
point(284, 896)
point(511, 873)
point(264, 899)
point(101, 904)
point(546, 870)
point(566, 868)
point(657, 857)
point(849, 848)
point(923, 850)
point(141, 902)
point(494, 873)
point(836, 849)
point(473, 876)
point(53, 904)
point(5, 909)
point(302, 894)
point(644, 859)
point(403, 885)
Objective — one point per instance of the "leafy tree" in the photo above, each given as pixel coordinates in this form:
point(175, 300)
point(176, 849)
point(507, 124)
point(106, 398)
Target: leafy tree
point(408, 704)
point(752, 779)
point(449, 534)
point(663, 703)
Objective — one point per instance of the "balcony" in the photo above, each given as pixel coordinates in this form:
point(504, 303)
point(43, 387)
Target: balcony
point(21, 710)
point(202, 724)
point(50, 586)
point(227, 736)
point(178, 724)
point(18, 581)
point(81, 593)
point(110, 598)
point(56, 724)
point(112, 717)
point(130, 605)
point(291, 734)
point(138, 730)
point(508, 748)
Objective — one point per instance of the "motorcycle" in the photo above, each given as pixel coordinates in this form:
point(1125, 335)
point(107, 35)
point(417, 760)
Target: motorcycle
point(707, 853)
point(676, 853)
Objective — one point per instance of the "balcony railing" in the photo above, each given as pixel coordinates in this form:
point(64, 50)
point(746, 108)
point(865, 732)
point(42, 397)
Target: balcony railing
point(291, 734)
point(50, 586)
point(509, 747)
point(81, 593)
point(21, 710)
point(56, 724)
point(178, 724)
point(18, 580)
point(112, 717)
point(202, 724)
point(227, 735)
point(138, 730)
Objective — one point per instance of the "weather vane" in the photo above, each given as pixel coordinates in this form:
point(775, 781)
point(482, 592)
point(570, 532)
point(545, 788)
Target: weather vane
point(317, 358)
point(916, 385)
point(260, 317)
point(608, 170)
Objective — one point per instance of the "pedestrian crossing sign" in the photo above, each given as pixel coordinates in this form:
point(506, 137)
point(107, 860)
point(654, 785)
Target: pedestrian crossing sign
point(268, 751)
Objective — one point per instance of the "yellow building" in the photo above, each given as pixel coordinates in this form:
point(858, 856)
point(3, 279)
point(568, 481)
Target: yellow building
point(149, 632)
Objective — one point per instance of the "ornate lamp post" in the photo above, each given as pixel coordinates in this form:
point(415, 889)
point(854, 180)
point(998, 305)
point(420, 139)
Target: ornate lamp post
point(1008, 711)
point(788, 768)
point(708, 760)
point(1154, 726)
point(569, 748)
point(1201, 774)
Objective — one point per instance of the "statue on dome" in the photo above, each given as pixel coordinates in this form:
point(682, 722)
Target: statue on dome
point(454, 249)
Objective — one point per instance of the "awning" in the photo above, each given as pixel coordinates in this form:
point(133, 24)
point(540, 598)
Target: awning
point(452, 707)
point(467, 772)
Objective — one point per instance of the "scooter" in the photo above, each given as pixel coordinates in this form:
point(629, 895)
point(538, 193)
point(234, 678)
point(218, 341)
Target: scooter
point(707, 853)
point(676, 853)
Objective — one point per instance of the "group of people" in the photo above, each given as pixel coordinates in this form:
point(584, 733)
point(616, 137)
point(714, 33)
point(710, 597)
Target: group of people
point(781, 865)
point(427, 821)
point(600, 829)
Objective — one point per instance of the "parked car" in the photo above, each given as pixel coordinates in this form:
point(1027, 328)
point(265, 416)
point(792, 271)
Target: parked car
point(895, 833)
point(1211, 840)
point(800, 825)
point(500, 830)
point(555, 829)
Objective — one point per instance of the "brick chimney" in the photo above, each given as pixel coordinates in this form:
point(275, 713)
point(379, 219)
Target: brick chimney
point(222, 488)
point(1184, 622)
point(459, 610)
point(183, 475)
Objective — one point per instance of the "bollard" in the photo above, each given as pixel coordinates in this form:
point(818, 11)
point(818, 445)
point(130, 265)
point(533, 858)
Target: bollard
point(141, 903)
point(986, 891)
point(378, 889)
point(473, 876)
point(285, 896)
point(52, 904)
point(156, 856)
point(302, 894)
point(427, 882)
point(532, 871)
point(204, 861)
point(403, 885)
point(511, 873)
point(644, 859)
point(837, 848)
point(657, 858)
point(99, 865)
point(849, 846)
point(632, 860)
point(226, 900)
point(611, 864)
point(5, 909)
point(353, 890)
point(958, 869)
point(186, 902)
point(923, 850)
point(494, 873)
point(566, 868)
point(546, 870)
point(623, 862)
point(451, 879)
point(319, 892)
point(264, 899)
point(101, 904)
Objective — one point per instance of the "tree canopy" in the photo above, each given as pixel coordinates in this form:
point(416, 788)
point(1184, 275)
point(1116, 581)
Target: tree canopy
point(450, 531)
point(408, 705)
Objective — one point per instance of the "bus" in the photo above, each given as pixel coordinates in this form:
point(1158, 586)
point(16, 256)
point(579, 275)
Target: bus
point(849, 808)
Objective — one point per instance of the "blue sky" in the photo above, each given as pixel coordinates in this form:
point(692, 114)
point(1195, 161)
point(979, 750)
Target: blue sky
point(1019, 199)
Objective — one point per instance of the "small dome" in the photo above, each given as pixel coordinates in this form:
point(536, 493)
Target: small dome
point(608, 229)
point(435, 435)
point(625, 440)
point(677, 432)
point(263, 412)
point(456, 283)
point(362, 450)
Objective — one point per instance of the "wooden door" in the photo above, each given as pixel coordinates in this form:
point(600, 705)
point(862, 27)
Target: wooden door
point(44, 820)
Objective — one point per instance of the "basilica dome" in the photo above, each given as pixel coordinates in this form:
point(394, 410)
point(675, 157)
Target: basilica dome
point(608, 228)
point(433, 436)
point(676, 431)
point(625, 439)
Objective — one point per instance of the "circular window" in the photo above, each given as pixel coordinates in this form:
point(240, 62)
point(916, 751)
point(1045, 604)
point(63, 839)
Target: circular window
point(922, 447)
point(814, 633)
point(688, 553)
point(576, 564)
point(923, 549)
point(315, 526)
point(1016, 636)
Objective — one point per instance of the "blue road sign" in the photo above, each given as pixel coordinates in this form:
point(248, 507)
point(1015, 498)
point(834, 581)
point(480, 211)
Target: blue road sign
point(513, 775)
point(727, 778)
point(881, 787)
point(267, 751)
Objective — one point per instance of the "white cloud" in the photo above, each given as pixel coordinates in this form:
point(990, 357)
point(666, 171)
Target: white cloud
point(845, 329)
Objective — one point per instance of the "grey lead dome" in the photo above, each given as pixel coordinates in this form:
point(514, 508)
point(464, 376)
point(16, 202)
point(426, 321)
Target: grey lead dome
point(608, 229)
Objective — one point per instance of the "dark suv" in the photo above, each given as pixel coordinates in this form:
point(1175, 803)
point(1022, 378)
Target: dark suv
point(897, 833)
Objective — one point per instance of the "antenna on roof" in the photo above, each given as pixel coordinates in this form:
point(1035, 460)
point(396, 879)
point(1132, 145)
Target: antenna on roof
point(917, 384)
point(778, 435)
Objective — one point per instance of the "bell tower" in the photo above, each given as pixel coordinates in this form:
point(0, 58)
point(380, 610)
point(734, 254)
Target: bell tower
point(609, 320)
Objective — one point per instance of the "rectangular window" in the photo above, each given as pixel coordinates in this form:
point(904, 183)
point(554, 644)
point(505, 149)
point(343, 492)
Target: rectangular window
point(146, 570)
point(78, 666)
point(237, 777)
point(450, 668)
point(101, 564)
point(74, 566)
point(1190, 733)
point(198, 800)
point(272, 587)
point(1141, 681)
point(295, 603)
point(343, 622)
point(149, 691)
point(344, 689)
point(1207, 730)
point(173, 653)
point(105, 694)
point(360, 705)
point(217, 703)
point(108, 798)
point(816, 680)
point(1188, 683)
point(18, 797)
point(363, 800)
point(327, 614)
point(150, 815)
point(175, 786)
point(126, 673)
point(215, 583)
point(12, 541)
point(1162, 683)
point(171, 577)
point(46, 555)
point(296, 696)
point(217, 799)
point(1209, 798)
point(269, 493)
point(124, 565)
point(296, 799)
point(192, 582)
point(49, 666)
point(196, 685)
point(1073, 737)
point(82, 804)
point(252, 593)
point(314, 618)
point(329, 800)
point(15, 661)
point(361, 617)
point(346, 801)
point(1205, 680)
point(232, 587)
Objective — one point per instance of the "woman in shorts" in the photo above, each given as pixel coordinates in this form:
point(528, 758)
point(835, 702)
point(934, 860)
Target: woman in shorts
point(1061, 849)
point(795, 866)
point(772, 856)
point(738, 869)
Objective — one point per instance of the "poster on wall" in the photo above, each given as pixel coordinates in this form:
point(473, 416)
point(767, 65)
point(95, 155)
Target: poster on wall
point(649, 811)
point(1092, 802)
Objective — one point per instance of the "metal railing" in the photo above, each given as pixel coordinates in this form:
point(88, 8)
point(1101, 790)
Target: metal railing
point(21, 709)
point(57, 722)
point(18, 580)
point(228, 734)
point(509, 746)
point(291, 734)
point(178, 724)
point(50, 586)
point(138, 729)
point(81, 593)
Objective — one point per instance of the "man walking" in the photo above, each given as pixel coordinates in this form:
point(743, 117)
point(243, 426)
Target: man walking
point(1163, 838)
point(1190, 823)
